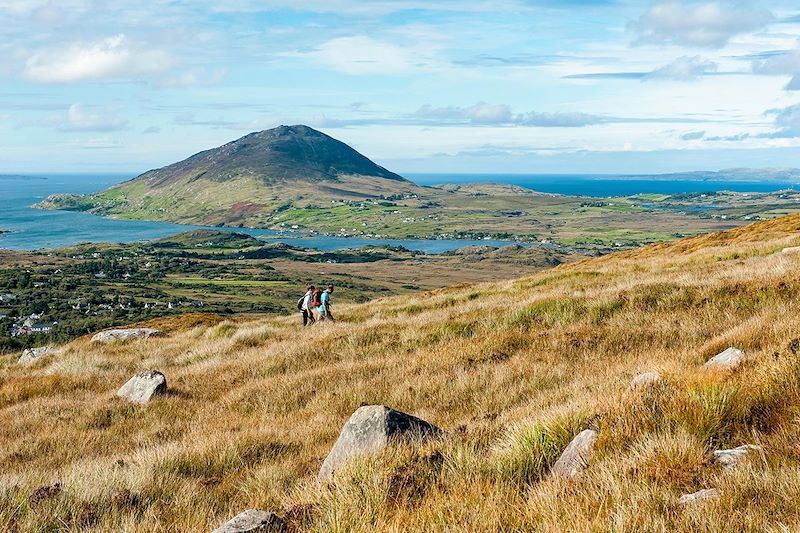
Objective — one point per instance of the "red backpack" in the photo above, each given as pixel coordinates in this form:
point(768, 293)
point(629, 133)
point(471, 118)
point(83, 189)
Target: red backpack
point(317, 298)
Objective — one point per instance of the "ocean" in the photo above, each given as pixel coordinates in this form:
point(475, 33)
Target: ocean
point(604, 185)
point(32, 229)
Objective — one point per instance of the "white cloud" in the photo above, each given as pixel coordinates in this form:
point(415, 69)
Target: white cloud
point(84, 118)
point(112, 58)
point(684, 69)
point(480, 113)
point(365, 55)
point(708, 24)
point(194, 78)
point(501, 114)
point(787, 120)
point(781, 64)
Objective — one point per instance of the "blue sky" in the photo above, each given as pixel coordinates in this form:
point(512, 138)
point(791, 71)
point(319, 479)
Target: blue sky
point(435, 86)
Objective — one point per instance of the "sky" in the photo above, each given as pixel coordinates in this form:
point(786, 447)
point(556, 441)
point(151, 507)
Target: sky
point(459, 86)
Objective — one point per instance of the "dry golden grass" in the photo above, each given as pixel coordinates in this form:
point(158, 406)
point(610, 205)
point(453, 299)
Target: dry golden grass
point(511, 370)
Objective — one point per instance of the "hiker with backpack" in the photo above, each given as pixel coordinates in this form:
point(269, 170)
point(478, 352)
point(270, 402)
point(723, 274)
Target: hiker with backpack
point(325, 304)
point(306, 305)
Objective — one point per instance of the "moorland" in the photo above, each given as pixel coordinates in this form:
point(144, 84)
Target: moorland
point(510, 370)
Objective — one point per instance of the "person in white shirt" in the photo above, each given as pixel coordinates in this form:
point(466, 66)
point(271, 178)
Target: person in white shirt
point(307, 307)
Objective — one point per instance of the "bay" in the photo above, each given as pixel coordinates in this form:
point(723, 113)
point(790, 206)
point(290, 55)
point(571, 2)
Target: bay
point(32, 229)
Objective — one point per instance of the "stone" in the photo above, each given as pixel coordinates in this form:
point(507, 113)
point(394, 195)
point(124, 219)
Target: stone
point(369, 430)
point(113, 335)
point(729, 459)
point(727, 360)
point(253, 520)
point(792, 250)
point(646, 379)
point(699, 497)
point(31, 355)
point(577, 455)
point(143, 386)
point(44, 493)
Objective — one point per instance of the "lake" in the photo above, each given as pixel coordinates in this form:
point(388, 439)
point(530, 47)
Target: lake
point(32, 229)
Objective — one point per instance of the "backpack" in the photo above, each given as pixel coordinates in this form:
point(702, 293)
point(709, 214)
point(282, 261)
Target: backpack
point(300, 303)
point(317, 298)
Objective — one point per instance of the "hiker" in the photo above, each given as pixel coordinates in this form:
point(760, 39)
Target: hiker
point(325, 304)
point(306, 305)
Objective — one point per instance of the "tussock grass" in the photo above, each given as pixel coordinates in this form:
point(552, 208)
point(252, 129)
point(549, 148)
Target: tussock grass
point(511, 370)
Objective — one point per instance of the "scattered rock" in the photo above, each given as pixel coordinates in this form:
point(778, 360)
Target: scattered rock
point(369, 430)
point(113, 335)
point(699, 497)
point(31, 355)
point(577, 455)
point(729, 459)
point(44, 493)
point(645, 380)
point(143, 386)
point(253, 520)
point(727, 360)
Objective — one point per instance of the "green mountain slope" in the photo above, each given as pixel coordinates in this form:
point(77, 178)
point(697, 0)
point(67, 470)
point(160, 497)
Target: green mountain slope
point(246, 181)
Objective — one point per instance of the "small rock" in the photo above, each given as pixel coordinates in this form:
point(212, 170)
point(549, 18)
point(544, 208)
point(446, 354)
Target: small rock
point(645, 380)
point(143, 386)
point(369, 430)
point(577, 455)
point(727, 360)
point(253, 520)
point(699, 497)
point(113, 335)
point(792, 250)
point(44, 493)
point(31, 355)
point(733, 457)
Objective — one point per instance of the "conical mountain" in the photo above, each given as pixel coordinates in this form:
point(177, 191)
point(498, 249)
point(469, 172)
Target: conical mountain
point(248, 182)
point(285, 153)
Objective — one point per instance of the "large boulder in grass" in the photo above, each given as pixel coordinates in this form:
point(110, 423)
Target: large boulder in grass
point(142, 387)
point(730, 459)
point(114, 335)
point(31, 355)
point(369, 430)
point(576, 456)
point(727, 360)
point(699, 497)
point(253, 520)
point(647, 379)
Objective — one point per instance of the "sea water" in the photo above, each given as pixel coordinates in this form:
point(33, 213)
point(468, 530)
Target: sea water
point(31, 229)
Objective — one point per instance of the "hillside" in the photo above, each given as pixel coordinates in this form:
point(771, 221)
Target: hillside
point(246, 181)
point(511, 371)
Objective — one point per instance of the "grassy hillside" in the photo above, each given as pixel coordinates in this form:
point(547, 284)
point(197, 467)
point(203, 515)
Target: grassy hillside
point(512, 371)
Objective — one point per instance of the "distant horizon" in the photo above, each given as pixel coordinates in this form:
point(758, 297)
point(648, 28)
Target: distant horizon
point(123, 174)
